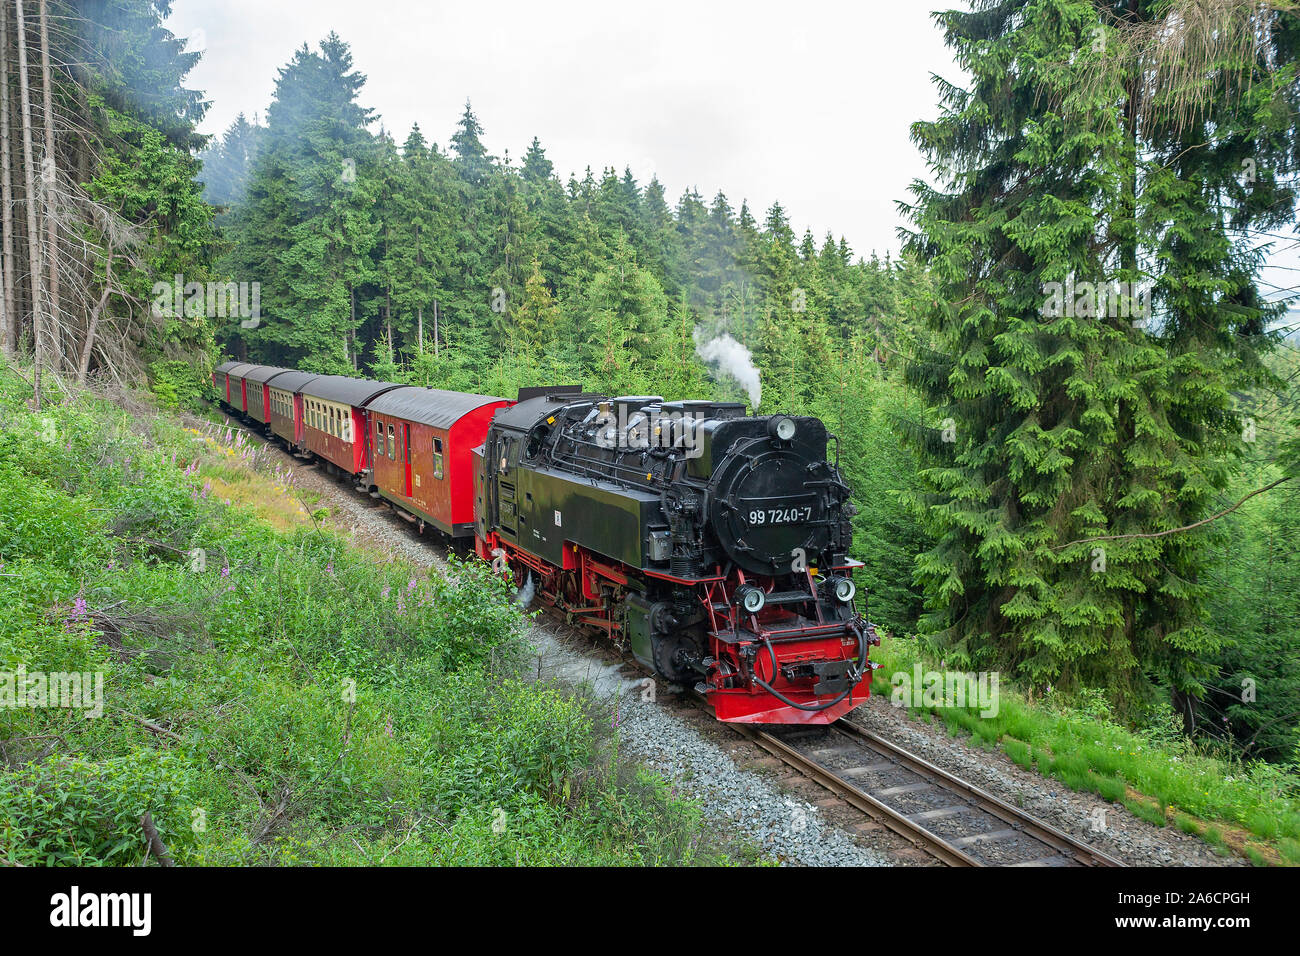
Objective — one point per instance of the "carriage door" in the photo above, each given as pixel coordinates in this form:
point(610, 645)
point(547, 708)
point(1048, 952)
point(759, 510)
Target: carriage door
point(503, 465)
point(406, 446)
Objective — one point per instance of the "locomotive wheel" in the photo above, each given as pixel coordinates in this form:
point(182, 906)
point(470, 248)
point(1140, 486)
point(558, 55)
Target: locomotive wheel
point(669, 649)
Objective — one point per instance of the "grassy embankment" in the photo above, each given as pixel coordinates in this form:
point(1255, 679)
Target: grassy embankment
point(1159, 775)
point(272, 694)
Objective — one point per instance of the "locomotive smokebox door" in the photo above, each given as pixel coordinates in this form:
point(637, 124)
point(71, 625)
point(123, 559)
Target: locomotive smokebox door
point(771, 501)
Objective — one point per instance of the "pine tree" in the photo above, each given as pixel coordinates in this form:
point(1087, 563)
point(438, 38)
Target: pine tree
point(228, 163)
point(307, 229)
point(472, 159)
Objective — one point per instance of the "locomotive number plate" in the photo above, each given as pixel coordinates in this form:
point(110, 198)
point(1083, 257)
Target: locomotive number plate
point(781, 515)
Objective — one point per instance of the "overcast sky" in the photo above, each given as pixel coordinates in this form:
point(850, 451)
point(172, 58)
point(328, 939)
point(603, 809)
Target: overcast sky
point(806, 102)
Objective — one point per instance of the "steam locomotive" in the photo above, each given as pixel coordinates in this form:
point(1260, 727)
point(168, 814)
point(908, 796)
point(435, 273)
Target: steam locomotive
point(711, 544)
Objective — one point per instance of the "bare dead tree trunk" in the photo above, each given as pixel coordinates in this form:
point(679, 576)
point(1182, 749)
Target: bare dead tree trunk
point(92, 326)
point(49, 181)
point(9, 311)
point(33, 241)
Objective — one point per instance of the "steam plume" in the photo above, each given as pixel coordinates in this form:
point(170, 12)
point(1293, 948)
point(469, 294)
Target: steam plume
point(525, 595)
point(734, 360)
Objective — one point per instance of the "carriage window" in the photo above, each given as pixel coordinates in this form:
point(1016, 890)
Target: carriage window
point(347, 426)
point(392, 442)
point(437, 458)
point(379, 438)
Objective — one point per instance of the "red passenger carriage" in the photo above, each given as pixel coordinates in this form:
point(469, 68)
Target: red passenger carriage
point(258, 391)
point(422, 443)
point(286, 412)
point(334, 419)
point(237, 387)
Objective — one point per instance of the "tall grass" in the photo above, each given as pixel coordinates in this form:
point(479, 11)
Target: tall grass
point(270, 694)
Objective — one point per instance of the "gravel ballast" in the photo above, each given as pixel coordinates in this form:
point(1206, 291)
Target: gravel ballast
point(1087, 817)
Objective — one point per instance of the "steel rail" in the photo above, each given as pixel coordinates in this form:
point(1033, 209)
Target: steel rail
point(1064, 848)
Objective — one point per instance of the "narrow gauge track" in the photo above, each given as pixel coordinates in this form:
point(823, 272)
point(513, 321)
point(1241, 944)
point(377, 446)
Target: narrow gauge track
point(954, 821)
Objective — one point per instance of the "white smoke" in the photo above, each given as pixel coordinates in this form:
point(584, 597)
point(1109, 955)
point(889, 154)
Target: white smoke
point(525, 595)
point(734, 360)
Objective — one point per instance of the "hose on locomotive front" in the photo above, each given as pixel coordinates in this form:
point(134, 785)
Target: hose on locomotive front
point(812, 708)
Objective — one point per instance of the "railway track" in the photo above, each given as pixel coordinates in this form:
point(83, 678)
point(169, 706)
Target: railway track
point(955, 821)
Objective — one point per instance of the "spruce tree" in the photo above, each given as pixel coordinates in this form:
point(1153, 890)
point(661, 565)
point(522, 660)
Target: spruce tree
point(1058, 415)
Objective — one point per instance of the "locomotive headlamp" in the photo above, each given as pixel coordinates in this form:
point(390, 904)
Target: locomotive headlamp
point(782, 428)
point(751, 598)
point(844, 589)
